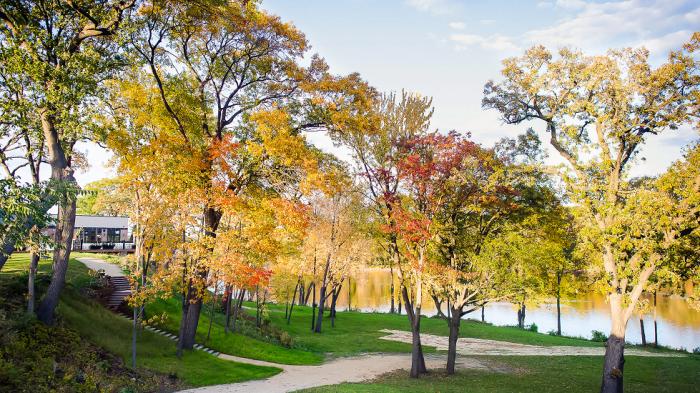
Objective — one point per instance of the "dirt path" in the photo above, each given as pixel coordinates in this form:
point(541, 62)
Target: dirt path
point(476, 346)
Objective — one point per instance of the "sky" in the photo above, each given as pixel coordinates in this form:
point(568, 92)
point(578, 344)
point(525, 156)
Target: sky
point(448, 50)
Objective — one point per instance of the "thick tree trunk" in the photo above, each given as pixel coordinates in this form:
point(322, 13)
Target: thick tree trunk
point(614, 365)
point(64, 241)
point(615, 347)
point(453, 322)
point(31, 286)
point(641, 326)
point(189, 323)
point(212, 217)
point(8, 247)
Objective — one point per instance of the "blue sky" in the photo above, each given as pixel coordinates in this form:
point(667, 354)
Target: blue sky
point(448, 49)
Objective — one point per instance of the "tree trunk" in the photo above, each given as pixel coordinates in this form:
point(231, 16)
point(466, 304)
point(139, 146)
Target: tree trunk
point(321, 307)
point(417, 359)
point(64, 240)
point(313, 306)
point(211, 311)
point(291, 307)
point(391, 288)
point(614, 365)
point(212, 217)
point(31, 287)
point(614, 347)
point(189, 323)
point(334, 299)
point(134, 332)
point(229, 298)
point(237, 309)
point(641, 326)
point(482, 314)
point(656, 335)
point(453, 322)
point(558, 315)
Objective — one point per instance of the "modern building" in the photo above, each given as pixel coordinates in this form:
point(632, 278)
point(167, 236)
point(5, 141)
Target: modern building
point(100, 233)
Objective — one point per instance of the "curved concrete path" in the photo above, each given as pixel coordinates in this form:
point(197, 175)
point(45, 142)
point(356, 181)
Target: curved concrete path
point(350, 369)
point(478, 346)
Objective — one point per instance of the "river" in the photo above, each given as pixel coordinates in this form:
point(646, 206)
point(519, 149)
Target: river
point(678, 324)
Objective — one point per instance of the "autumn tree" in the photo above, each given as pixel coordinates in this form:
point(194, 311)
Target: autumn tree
point(598, 112)
point(60, 52)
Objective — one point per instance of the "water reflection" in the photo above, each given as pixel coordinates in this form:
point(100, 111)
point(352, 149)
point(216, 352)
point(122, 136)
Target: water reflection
point(678, 324)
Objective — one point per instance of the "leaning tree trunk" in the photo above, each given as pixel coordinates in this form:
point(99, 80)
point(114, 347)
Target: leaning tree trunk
point(294, 298)
point(614, 348)
point(31, 285)
point(334, 299)
point(321, 307)
point(64, 240)
point(453, 322)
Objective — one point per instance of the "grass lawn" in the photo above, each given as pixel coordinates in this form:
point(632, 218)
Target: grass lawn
point(569, 374)
point(113, 333)
point(231, 343)
point(357, 332)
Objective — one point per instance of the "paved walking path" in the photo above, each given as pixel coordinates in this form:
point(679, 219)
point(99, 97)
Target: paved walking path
point(96, 264)
point(351, 369)
point(477, 346)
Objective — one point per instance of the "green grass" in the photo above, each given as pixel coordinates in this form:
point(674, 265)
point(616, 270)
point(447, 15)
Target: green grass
point(113, 333)
point(357, 332)
point(154, 352)
point(571, 374)
point(231, 343)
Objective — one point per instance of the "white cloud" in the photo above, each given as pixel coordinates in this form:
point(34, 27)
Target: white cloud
point(572, 4)
point(457, 25)
point(437, 7)
point(596, 26)
point(493, 42)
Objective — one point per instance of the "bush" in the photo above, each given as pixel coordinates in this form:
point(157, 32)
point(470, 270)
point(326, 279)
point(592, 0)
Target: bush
point(108, 246)
point(696, 350)
point(598, 336)
point(286, 339)
point(553, 333)
point(532, 328)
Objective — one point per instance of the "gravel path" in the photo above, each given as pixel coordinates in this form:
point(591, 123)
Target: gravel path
point(351, 369)
point(477, 346)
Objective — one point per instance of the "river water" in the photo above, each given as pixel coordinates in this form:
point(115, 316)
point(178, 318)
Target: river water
point(678, 324)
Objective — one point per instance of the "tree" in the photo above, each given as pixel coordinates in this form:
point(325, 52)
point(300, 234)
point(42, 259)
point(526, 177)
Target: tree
point(598, 111)
point(61, 52)
point(102, 197)
point(213, 66)
point(337, 237)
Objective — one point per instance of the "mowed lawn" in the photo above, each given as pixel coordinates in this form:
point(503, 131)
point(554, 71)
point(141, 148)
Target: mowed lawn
point(570, 374)
point(113, 333)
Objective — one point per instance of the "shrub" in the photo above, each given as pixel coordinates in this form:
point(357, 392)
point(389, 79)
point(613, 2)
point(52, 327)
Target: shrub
point(696, 350)
point(597, 335)
point(286, 339)
point(553, 333)
point(532, 328)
